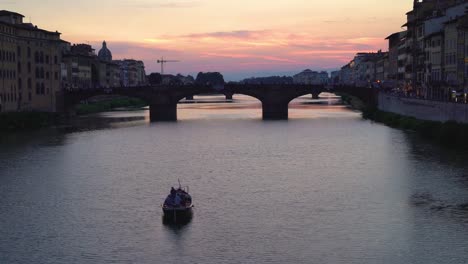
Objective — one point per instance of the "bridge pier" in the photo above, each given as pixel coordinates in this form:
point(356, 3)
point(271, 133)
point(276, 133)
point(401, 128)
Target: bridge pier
point(275, 111)
point(229, 96)
point(163, 112)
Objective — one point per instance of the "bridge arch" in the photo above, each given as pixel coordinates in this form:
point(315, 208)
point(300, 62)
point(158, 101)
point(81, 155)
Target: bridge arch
point(163, 100)
point(164, 106)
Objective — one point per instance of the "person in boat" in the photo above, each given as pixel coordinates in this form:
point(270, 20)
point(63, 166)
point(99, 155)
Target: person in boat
point(170, 200)
point(178, 199)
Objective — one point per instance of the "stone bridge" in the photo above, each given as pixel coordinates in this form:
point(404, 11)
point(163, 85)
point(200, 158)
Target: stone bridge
point(163, 100)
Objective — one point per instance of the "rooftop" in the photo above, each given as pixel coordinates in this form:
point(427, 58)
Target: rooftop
point(395, 34)
point(31, 27)
point(7, 13)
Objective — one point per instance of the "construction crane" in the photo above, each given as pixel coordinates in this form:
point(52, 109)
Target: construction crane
point(162, 61)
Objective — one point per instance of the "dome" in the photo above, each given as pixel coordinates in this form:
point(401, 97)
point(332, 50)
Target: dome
point(105, 54)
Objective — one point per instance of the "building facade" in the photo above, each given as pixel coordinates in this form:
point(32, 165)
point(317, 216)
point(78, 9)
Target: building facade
point(428, 60)
point(29, 65)
point(311, 77)
point(132, 73)
point(83, 69)
point(394, 42)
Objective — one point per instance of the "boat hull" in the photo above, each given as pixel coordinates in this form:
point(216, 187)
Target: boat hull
point(178, 213)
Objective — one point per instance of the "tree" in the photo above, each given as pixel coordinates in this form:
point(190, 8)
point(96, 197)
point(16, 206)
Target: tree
point(154, 78)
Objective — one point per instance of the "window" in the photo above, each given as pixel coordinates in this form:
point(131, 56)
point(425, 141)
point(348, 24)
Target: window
point(19, 67)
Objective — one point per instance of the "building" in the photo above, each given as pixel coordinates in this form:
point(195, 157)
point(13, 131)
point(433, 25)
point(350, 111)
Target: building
point(394, 42)
point(29, 65)
point(427, 18)
point(382, 68)
point(463, 58)
point(112, 75)
point(109, 71)
point(428, 60)
point(132, 73)
point(450, 53)
point(335, 77)
point(311, 77)
point(79, 70)
point(346, 75)
point(434, 72)
point(364, 67)
point(462, 54)
point(83, 69)
point(104, 53)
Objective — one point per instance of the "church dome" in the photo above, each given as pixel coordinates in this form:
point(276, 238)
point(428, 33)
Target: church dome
point(105, 54)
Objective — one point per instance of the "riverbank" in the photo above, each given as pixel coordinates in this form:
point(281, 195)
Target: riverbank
point(449, 133)
point(107, 105)
point(353, 101)
point(21, 121)
point(423, 109)
point(27, 120)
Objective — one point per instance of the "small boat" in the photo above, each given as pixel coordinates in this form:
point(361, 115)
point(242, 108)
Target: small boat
point(178, 204)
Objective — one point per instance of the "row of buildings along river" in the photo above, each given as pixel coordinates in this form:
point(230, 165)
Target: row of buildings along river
point(427, 60)
point(35, 64)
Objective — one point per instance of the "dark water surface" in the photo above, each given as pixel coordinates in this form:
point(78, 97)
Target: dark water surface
point(323, 187)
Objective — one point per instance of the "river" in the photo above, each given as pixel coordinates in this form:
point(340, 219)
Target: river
point(324, 187)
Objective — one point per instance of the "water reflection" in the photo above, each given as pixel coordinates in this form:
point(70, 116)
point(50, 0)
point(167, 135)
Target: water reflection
point(324, 186)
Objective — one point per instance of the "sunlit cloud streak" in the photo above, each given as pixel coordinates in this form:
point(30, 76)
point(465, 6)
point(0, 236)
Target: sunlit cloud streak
point(236, 50)
point(233, 37)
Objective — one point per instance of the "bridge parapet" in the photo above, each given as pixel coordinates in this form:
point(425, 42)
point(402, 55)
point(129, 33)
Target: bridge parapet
point(163, 99)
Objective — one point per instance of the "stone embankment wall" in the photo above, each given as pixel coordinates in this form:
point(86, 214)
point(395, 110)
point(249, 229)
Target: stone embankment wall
point(423, 109)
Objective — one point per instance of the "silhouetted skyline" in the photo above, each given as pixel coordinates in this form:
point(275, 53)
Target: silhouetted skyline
point(239, 38)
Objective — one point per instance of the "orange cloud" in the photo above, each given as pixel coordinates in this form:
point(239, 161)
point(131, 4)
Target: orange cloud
point(242, 50)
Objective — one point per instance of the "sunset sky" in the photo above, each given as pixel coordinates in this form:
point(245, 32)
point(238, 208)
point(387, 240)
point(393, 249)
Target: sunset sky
point(240, 38)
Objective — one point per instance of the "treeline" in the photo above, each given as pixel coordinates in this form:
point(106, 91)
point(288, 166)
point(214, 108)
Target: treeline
point(108, 105)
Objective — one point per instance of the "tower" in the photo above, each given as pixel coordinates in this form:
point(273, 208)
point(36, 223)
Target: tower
point(105, 54)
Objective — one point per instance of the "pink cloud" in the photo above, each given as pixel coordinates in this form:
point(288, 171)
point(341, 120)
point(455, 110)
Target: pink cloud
point(244, 50)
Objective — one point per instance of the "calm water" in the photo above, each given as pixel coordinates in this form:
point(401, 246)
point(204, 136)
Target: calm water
point(323, 187)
